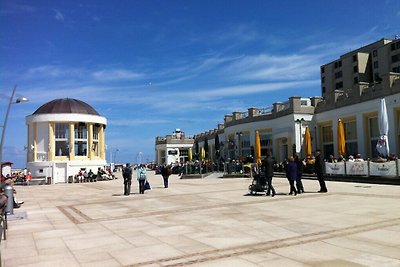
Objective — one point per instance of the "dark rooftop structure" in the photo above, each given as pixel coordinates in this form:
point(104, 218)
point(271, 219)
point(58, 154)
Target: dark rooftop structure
point(66, 105)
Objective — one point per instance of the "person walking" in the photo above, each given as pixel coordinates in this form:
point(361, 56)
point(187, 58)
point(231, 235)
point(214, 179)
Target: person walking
point(291, 174)
point(127, 175)
point(268, 169)
point(300, 167)
point(141, 177)
point(319, 170)
point(166, 172)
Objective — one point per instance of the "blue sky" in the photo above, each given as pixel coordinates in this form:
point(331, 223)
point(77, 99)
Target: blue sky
point(152, 66)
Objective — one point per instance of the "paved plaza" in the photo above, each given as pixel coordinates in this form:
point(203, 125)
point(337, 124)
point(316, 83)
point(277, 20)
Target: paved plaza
point(204, 222)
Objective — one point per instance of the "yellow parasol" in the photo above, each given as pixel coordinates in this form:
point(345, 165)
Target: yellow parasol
point(341, 139)
point(307, 142)
point(190, 154)
point(257, 148)
point(203, 153)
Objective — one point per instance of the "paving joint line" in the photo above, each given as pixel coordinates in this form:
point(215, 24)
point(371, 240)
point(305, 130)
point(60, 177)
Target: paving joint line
point(164, 212)
point(216, 254)
point(87, 219)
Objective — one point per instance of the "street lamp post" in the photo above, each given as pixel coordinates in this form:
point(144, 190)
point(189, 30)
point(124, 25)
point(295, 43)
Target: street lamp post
point(115, 155)
point(139, 158)
point(19, 100)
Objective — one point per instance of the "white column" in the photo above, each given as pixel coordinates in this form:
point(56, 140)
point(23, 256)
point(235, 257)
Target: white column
point(361, 136)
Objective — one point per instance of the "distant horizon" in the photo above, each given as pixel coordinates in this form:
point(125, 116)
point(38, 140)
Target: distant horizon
point(150, 67)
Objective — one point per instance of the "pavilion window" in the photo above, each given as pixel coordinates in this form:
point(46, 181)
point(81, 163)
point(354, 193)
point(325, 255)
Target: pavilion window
point(96, 131)
point(81, 139)
point(61, 136)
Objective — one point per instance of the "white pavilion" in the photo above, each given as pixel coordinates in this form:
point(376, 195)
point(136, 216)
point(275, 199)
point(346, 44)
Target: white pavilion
point(65, 136)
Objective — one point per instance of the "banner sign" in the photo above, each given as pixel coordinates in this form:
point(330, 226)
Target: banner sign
point(334, 168)
point(357, 167)
point(382, 168)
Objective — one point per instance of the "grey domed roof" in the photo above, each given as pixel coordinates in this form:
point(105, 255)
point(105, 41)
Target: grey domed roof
point(66, 105)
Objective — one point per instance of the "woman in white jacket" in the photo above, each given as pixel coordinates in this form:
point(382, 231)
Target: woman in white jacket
point(141, 177)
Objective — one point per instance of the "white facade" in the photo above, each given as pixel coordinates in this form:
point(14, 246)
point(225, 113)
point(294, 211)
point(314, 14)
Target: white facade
point(351, 91)
point(173, 148)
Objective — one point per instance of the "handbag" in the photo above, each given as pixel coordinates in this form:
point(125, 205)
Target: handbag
point(147, 186)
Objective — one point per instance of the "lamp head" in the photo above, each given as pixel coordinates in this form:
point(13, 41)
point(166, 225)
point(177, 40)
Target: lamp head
point(21, 99)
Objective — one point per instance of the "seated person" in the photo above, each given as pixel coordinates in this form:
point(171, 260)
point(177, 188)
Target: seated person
point(80, 176)
point(91, 176)
point(101, 174)
point(85, 176)
point(358, 158)
point(9, 181)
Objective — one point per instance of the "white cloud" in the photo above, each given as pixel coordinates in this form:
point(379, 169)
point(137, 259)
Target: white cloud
point(117, 74)
point(14, 8)
point(58, 16)
point(51, 71)
point(137, 121)
point(267, 67)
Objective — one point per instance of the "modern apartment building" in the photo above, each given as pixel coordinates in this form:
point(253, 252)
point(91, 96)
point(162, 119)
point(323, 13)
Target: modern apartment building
point(367, 64)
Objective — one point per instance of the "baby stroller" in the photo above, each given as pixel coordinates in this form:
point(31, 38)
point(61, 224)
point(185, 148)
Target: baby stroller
point(259, 184)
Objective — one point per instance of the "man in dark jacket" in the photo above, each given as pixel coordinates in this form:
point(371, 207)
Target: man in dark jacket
point(127, 174)
point(166, 172)
point(300, 166)
point(319, 170)
point(268, 168)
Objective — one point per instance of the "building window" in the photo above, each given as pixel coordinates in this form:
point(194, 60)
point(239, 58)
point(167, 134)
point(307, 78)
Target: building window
point(396, 69)
point(338, 74)
point(327, 140)
point(266, 143)
point(323, 89)
point(231, 147)
point(183, 155)
point(323, 79)
point(377, 77)
point(376, 65)
point(339, 85)
point(350, 133)
point(373, 135)
point(393, 47)
point(395, 58)
point(80, 145)
point(375, 53)
point(245, 149)
point(322, 69)
point(61, 136)
point(354, 58)
point(355, 80)
point(355, 69)
point(340, 63)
